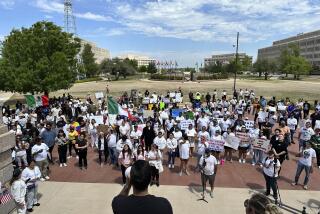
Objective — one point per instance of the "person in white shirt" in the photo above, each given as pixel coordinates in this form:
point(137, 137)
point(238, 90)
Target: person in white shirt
point(225, 124)
point(203, 133)
point(214, 126)
point(192, 135)
point(154, 157)
point(262, 117)
point(209, 167)
point(305, 135)
point(160, 141)
point(203, 121)
point(228, 150)
point(112, 145)
point(169, 123)
point(124, 129)
point(292, 124)
point(135, 136)
point(123, 141)
point(140, 154)
point(18, 191)
point(21, 153)
point(202, 146)
point(180, 117)
point(172, 146)
point(177, 133)
point(308, 155)
point(40, 154)
point(271, 168)
point(218, 137)
point(31, 175)
point(184, 149)
point(93, 132)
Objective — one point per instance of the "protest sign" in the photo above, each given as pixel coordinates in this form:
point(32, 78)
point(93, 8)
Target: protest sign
point(190, 115)
point(147, 113)
point(99, 95)
point(146, 100)
point(249, 124)
point(166, 100)
point(243, 138)
point(261, 144)
point(282, 108)
point(175, 112)
point(272, 109)
point(103, 128)
point(232, 142)
point(141, 126)
point(98, 119)
point(184, 124)
point(317, 124)
point(172, 94)
point(112, 119)
point(178, 98)
point(216, 145)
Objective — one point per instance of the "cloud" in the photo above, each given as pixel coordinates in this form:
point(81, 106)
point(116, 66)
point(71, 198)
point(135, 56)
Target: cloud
point(53, 6)
point(217, 20)
point(102, 32)
point(7, 4)
point(48, 16)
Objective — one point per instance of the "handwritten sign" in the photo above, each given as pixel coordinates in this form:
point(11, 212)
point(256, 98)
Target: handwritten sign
point(272, 109)
point(99, 95)
point(184, 124)
point(98, 119)
point(261, 144)
point(243, 138)
point(282, 108)
point(232, 142)
point(147, 113)
point(146, 100)
point(216, 145)
point(317, 124)
point(249, 124)
point(178, 98)
point(172, 94)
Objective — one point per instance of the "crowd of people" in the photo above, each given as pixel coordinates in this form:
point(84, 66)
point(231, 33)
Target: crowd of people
point(211, 127)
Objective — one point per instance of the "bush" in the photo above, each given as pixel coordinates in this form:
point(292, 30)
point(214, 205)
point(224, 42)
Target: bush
point(165, 77)
point(213, 76)
point(89, 79)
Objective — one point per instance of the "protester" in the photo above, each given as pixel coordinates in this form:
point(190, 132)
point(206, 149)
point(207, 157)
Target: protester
point(140, 178)
point(72, 136)
point(82, 147)
point(172, 146)
point(31, 175)
point(154, 157)
point(125, 160)
point(305, 163)
point(18, 191)
point(40, 155)
point(62, 143)
point(112, 146)
point(184, 148)
point(209, 166)
point(315, 144)
point(48, 136)
point(148, 135)
point(102, 148)
point(140, 154)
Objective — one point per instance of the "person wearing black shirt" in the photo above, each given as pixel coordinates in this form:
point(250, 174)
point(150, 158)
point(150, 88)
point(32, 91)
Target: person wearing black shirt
point(140, 201)
point(306, 109)
point(81, 146)
point(279, 147)
point(148, 135)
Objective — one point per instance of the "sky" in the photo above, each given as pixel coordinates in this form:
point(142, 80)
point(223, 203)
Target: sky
point(185, 31)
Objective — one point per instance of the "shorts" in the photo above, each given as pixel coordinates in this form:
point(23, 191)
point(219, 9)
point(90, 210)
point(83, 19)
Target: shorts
point(227, 148)
point(192, 145)
point(209, 178)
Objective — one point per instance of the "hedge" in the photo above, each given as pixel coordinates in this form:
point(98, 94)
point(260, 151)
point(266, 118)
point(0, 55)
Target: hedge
point(89, 79)
point(213, 77)
point(165, 77)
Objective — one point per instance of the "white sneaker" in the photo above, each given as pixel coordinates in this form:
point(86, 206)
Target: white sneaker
point(169, 166)
point(77, 157)
point(319, 167)
point(47, 177)
point(42, 179)
point(60, 164)
point(253, 164)
point(64, 164)
point(240, 161)
point(172, 166)
point(243, 161)
point(218, 162)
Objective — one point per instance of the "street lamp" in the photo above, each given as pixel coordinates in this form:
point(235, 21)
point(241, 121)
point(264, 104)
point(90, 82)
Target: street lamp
point(236, 68)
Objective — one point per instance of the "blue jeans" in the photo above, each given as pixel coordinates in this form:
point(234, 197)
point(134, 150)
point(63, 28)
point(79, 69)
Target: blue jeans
point(171, 157)
point(113, 153)
point(300, 168)
point(258, 156)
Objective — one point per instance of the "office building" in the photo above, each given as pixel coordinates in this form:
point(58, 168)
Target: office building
point(99, 53)
point(142, 60)
point(308, 43)
point(225, 58)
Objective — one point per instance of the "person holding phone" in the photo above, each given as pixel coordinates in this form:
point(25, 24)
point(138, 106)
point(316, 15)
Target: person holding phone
point(82, 147)
point(40, 152)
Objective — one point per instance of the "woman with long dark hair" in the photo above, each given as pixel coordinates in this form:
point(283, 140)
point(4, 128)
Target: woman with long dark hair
point(140, 154)
point(154, 156)
point(125, 160)
point(18, 191)
point(82, 147)
point(102, 148)
point(62, 142)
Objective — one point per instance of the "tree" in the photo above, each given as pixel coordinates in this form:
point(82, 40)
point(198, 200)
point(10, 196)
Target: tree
point(106, 66)
point(152, 68)
point(214, 67)
point(41, 58)
point(262, 66)
point(89, 62)
point(132, 62)
point(143, 69)
point(298, 66)
point(292, 50)
point(246, 64)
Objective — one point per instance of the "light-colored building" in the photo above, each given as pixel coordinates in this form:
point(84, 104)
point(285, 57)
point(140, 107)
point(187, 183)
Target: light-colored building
point(142, 60)
point(225, 58)
point(99, 53)
point(309, 44)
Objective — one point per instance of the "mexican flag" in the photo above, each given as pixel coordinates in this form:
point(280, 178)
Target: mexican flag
point(115, 108)
point(34, 101)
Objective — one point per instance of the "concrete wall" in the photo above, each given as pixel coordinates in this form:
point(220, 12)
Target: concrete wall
point(7, 141)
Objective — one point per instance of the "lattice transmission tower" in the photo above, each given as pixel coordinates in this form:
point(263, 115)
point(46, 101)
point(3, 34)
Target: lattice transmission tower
point(69, 18)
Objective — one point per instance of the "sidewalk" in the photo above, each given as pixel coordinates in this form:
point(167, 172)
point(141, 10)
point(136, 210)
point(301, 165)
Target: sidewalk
point(91, 198)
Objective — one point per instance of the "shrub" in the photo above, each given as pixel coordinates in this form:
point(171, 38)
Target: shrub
point(89, 79)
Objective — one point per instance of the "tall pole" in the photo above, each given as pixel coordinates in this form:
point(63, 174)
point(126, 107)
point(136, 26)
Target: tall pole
point(236, 68)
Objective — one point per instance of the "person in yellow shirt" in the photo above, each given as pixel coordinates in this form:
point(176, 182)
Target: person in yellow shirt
point(72, 136)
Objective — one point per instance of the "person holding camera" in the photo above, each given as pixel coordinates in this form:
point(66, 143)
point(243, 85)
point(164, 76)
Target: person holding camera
point(209, 166)
point(140, 201)
point(271, 167)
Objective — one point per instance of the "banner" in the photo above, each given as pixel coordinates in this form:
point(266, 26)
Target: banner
point(282, 108)
point(249, 124)
point(178, 98)
point(175, 112)
point(232, 142)
point(147, 113)
point(172, 94)
point(243, 138)
point(272, 109)
point(216, 145)
point(317, 124)
point(261, 144)
point(98, 119)
point(146, 100)
point(99, 95)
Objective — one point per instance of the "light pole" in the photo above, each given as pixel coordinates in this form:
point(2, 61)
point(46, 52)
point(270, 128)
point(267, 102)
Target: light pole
point(236, 68)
